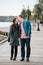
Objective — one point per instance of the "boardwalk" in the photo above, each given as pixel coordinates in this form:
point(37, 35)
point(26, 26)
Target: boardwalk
point(36, 57)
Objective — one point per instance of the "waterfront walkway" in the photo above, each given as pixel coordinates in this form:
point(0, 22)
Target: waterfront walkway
point(36, 57)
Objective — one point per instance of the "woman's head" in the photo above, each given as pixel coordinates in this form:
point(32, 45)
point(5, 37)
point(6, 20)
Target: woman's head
point(15, 21)
point(15, 24)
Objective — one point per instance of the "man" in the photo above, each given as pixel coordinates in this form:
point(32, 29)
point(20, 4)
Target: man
point(25, 36)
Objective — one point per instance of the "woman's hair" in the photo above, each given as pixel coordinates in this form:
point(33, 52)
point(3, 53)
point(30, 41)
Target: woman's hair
point(14, 20)
point(15, 25)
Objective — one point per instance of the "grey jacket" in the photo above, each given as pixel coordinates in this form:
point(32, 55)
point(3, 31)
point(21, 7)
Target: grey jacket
point(13, 36)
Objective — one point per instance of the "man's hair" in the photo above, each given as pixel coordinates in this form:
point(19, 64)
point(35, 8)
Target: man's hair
point(21, 16)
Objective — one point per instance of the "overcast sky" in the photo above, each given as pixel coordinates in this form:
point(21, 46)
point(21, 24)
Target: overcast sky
point(14, 7)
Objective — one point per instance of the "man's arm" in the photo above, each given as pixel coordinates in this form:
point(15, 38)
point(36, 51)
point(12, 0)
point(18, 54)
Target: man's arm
point(29, 28)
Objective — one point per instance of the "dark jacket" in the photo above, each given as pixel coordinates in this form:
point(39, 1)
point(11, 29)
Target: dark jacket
point(13, 36)
point(27, 28)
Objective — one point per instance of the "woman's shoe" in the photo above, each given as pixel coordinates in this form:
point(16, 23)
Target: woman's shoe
point(11, 58)
point(14, 59)
point(22, 59)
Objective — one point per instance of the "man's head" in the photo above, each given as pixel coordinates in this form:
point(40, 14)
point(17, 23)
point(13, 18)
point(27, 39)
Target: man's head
point(20, 18)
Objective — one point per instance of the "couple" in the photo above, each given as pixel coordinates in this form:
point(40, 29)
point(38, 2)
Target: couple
point(20, 32)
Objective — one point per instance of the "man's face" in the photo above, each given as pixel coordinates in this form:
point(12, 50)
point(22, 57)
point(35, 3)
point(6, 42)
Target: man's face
point(19, 19)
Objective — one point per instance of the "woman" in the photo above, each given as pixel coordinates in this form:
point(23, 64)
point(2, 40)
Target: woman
point(13, 38)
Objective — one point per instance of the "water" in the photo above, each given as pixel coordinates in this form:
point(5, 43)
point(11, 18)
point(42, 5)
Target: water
point(5, 24)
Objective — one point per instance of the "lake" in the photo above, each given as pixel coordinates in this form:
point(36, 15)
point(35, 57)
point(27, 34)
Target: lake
point(5, 24)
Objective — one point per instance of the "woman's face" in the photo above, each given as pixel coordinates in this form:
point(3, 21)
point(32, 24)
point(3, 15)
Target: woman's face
point(16, 22)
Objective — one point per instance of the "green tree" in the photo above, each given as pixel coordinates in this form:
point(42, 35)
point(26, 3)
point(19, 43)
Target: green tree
point(28, 13)
point(23, 13)
point(37, 10)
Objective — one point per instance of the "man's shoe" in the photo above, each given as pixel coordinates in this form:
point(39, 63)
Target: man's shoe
point(27, 60)
point(22, 59)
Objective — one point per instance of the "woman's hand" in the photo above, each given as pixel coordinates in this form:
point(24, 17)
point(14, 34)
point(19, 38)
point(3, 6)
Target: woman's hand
point(19, 39)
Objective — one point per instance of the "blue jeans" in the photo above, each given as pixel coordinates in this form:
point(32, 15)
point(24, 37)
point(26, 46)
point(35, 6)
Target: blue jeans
point(27, 42)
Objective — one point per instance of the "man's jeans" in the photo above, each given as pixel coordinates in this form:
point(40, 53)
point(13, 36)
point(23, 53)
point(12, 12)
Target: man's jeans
point(27, 42)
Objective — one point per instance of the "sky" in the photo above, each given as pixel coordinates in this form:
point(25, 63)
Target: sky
point(14, 7)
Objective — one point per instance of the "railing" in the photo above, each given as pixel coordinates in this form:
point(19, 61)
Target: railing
point(4, 33)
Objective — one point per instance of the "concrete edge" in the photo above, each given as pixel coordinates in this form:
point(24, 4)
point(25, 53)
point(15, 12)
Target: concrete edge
point(3, 41)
